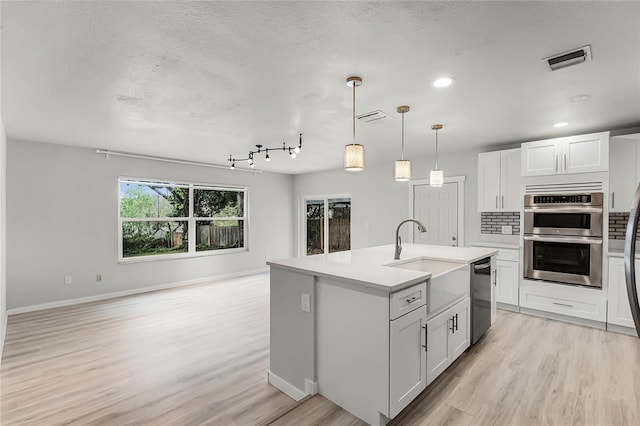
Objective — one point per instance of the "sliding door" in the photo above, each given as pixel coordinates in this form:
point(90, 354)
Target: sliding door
point(327, 224)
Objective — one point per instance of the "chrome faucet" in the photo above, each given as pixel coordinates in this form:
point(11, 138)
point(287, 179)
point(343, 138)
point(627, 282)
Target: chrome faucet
point(421, 228)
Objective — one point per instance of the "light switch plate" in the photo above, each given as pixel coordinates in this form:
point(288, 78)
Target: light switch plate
point(306, 303)
point(507, 229)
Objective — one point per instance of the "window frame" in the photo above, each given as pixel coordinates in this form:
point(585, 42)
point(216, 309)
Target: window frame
point(191, 220)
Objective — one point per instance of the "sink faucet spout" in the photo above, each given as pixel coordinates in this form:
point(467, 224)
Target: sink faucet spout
point(421, 228)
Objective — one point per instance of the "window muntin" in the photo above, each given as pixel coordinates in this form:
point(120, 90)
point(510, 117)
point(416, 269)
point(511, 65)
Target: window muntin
point(166, 219)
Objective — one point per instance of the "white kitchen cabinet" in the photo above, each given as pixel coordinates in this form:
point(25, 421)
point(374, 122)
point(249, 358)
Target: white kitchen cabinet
point(624, 161)
point(448, 336)
point(408, 361)
point(619, 312)
point(499, 181)
point(507, 280)
point(573, 154)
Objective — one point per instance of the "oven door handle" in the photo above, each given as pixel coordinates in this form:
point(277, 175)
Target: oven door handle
point(564, 239)
point(563, 209)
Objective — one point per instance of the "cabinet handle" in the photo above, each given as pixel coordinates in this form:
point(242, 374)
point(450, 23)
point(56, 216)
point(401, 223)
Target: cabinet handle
point(613, 199)
point(456, 322)
point(453, 328)
point(496, 201)
point(565, 162)
point(413, 299)
point(563, 304)
point(426, 335)
point(557, 163)
point(503, 201)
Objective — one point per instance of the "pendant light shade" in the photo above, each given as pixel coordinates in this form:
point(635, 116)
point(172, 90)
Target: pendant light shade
point(436, 177)
point(403, 170)
point(354, 153)
point(403, 167)
point(354, 157)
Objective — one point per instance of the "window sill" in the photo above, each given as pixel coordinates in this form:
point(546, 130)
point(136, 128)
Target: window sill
point(154, 258)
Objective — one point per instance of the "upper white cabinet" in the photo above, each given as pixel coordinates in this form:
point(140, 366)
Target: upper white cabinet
point(574, 154)
point(624, 158)
point(499, 181)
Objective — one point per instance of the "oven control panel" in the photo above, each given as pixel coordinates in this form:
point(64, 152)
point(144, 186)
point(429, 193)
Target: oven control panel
point(589, 199)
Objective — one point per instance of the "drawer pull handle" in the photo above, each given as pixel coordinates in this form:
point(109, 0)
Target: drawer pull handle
point(413, 299)
point(563, 304)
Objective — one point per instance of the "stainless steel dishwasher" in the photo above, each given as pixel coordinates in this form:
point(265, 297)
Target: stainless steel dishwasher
point(480, 298)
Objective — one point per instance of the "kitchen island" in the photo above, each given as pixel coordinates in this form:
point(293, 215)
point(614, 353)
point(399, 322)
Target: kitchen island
point(366, 331)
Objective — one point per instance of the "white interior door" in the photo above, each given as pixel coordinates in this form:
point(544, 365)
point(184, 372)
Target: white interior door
point(437, 208)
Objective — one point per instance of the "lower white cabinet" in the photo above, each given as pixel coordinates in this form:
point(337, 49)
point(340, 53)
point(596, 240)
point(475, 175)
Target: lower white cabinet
point(408, 363)
point(448, 336)
point(619, 312)
point(507, 282)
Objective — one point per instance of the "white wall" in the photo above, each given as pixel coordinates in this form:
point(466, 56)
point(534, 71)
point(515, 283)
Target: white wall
point(379, 203)
point(3, 236)
point(63, 220)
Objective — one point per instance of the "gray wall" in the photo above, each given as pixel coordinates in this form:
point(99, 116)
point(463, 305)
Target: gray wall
point(63, 220)
point(379, 203)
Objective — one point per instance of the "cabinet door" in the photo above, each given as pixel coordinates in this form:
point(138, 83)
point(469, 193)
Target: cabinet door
point(623, 176)
point(460, 338)
point(540, 158)
point(511, 199)
point(507, 282)
point(618, 311)
point(408, 369)
point(438, 347)
point(585, 153)
point(489, 182)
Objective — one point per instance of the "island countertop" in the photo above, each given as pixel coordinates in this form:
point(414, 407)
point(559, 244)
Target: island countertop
point(373, 266)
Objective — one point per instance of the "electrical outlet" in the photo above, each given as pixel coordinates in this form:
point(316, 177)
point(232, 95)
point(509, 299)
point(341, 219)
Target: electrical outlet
point(306, 302)
point(507, 229)
point(99, 278)
point(67, 279)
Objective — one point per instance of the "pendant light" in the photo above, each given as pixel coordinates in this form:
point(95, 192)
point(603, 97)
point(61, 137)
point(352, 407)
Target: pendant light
point(436, 177)
point(403, 167)
point(354, 153)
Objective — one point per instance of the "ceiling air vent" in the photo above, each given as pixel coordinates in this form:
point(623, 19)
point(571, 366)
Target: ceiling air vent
point(376, 115)
point(567, 59)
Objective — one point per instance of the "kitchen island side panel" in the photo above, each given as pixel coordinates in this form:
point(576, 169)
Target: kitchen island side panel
point(292, 339)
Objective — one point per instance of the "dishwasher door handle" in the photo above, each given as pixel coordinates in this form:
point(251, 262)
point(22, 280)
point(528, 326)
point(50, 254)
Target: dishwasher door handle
point(481, 266)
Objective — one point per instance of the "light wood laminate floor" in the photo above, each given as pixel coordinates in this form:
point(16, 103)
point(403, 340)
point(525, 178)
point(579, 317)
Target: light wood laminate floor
point(199, 355)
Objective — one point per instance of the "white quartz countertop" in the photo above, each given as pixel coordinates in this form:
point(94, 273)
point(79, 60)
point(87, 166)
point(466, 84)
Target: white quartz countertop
point(370, 266)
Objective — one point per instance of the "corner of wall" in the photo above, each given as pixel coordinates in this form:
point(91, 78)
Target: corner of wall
point(3, 236)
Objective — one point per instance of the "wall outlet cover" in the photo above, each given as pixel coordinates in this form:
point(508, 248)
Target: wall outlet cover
point(507, 229)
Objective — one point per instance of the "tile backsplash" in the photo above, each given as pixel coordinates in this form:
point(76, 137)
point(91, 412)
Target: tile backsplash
point(491, 223)
point(618, 226)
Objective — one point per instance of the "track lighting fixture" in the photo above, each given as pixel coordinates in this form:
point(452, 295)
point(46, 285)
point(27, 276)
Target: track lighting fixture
point(293, 153)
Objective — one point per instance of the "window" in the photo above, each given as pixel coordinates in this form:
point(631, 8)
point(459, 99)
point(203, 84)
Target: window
point(165, 220)
point(330, 232)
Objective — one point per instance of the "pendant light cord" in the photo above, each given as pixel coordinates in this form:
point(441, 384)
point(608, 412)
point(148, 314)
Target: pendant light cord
point(403, 135)
point(437, 149)
point(354, 113)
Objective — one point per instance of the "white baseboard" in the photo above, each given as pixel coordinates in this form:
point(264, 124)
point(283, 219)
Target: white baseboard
point(310, 387)
point(3, 334)
point(622, 329)
point(285, 386)
point(564, 318)
point(507, 307)
point(113, 295)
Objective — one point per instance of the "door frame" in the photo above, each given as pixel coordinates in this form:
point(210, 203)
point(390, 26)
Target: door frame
point(302, 215)
point(451, 179)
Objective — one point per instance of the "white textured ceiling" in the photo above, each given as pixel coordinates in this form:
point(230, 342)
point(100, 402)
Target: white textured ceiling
point(202, 80)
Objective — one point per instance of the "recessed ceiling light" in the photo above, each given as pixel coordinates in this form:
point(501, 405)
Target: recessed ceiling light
point(443, 82)
point(579, 98)
point(561, 124)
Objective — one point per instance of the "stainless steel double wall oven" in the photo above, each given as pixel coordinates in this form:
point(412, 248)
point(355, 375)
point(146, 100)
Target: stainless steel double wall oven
point(563, 238)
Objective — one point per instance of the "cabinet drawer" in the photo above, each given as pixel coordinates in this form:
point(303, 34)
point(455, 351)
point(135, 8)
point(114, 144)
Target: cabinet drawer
point(593, 310)
point(404, 301)
point(509, 255)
